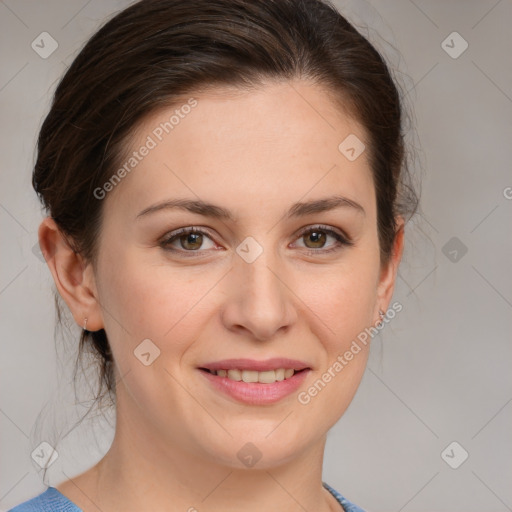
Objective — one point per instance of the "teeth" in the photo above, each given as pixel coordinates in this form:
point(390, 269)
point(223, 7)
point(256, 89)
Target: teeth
point(234, 374)
point(267, 377)
point(249, 376)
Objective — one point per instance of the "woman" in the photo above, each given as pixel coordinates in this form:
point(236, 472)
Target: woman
point(225, 189)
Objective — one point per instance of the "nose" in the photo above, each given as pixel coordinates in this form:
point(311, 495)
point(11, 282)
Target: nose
point(259, 303)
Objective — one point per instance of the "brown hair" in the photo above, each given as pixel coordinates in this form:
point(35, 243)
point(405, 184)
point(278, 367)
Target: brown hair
point(156, 51)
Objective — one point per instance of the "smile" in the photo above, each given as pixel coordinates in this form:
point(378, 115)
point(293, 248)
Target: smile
point(255, 382)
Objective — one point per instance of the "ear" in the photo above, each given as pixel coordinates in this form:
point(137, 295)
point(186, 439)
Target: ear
point(389, 271)
point(74, 280)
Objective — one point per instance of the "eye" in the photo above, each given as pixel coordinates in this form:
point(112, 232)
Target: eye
point(191, 241)
point(316, 238)
point(187, 240)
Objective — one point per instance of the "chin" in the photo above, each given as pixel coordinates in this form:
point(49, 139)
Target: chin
point(257, 451)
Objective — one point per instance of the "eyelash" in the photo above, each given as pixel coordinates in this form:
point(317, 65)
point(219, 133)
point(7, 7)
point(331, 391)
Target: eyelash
point(340, 239)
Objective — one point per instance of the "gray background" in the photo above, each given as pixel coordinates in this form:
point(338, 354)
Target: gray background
point(439, 372)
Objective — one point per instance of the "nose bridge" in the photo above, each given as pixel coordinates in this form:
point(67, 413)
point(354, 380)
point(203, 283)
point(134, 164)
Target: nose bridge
point(259, 301)
point(259, 278)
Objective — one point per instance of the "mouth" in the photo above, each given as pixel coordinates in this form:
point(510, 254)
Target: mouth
point(255, 382)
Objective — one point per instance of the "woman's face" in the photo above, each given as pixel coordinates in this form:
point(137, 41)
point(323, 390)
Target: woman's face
point(252, 285)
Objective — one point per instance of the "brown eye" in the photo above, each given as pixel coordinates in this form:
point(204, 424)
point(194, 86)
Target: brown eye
point(187, 240)
point(317, 239)
point(191, 241)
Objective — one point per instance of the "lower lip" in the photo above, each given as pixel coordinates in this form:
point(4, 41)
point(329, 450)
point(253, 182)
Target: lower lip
point(256, 393)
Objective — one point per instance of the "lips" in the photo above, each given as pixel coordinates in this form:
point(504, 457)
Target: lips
point(256, 382)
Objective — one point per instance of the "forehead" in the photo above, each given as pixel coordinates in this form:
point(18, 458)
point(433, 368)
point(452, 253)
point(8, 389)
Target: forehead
point(274, 144)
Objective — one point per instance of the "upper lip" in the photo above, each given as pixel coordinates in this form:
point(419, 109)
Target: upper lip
point(259, 366)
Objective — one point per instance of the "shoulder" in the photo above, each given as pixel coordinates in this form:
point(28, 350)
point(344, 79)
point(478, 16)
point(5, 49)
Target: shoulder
point(50, 500)
point(346, 504)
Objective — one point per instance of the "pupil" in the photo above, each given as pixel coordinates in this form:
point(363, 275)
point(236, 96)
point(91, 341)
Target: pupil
point(317, 238)
point(191, 239)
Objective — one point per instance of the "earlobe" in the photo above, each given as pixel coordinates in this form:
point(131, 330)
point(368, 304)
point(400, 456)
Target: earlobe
point(74, 279)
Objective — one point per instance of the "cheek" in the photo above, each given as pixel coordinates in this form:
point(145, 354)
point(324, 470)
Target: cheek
point(343, 306)
point(153, 301)
point(343, 300)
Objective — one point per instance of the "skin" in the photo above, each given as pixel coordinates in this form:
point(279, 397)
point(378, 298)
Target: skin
point(255, 153)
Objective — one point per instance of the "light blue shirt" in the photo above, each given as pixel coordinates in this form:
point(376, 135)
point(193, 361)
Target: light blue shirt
point(53, 500)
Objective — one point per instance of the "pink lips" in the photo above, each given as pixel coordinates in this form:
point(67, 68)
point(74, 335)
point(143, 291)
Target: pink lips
point(256, 393)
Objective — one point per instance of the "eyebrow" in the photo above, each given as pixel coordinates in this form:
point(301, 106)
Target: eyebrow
point(210, 210)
